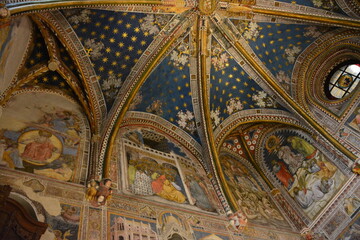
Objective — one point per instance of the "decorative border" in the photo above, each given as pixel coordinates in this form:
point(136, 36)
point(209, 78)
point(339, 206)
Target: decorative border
point(312, 56)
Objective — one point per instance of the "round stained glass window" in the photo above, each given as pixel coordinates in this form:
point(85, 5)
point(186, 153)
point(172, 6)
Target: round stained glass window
point(343, 81)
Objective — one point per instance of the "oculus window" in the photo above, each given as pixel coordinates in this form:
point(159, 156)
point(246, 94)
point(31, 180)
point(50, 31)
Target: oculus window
point(342, 81)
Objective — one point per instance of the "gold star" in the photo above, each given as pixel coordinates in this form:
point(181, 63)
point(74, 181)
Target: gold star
point(112, 40)
point(101, 68)
point(139, 51)
point(108, 50)
point(102, 36)
point(97, 24)
point(123, 66)
point(121, 44)
point(130, 48)
point(111, 19)
point(107, 27)
point(133, 16)
point(118, 54)
point(127, 57)
point(124, 35)
point(105, 59)
point(119, 21)
point(114, 63)
point(45, 79)
point(133, 38)
point(136, 29)
point(115, 31)
point(128, 25)
point(142, 43)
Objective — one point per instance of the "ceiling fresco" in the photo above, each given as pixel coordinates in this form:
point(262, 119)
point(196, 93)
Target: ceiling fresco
point(196, 96)
point(278, 45)
point(13, 47)
point(303, 170)
point(232, 89)
point(114, 41)
point(38, 53)
point(167, 92)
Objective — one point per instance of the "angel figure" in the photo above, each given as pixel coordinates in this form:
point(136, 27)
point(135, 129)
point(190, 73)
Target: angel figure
point(92, 189)
point(103, 193)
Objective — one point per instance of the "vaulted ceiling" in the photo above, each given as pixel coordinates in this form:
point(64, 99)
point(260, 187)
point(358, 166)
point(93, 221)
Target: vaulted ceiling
point(216, 77)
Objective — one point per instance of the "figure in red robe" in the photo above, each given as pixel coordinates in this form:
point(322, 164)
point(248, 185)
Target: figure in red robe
point(283, 174)
point(39, 150)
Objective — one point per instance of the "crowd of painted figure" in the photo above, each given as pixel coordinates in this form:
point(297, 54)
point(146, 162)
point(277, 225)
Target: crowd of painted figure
point(147, 177)
point(304, 171)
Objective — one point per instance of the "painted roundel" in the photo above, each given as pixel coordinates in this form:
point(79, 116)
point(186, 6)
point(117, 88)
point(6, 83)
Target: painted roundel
point(39, 147)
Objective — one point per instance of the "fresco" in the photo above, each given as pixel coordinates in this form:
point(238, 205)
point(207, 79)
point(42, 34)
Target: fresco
point(122, 228)
point(209, 236)
point(150, 172)
point(304, 171)
point(251, 197)
point(172, 227)
point(232, 89)
point(168, 84)
point(94, 225)
point(354, 120)
point(66, 225)
point(352, 232)
point(41, 137)
point(351, 205)
point(12, 52)
point(114, 42)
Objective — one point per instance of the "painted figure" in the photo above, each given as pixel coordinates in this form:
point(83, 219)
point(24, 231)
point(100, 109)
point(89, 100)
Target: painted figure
point(198, 193)
point(41, 149)
point(164, 188)
point(304, 197)
point(282, 173)
point(293, 160)
point(302, 146)
point(64, 173)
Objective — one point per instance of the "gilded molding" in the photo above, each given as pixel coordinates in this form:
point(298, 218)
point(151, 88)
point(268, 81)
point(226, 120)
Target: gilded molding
point(62, 69)
point(36, 6)
point(331, 20)
point(66, 35)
